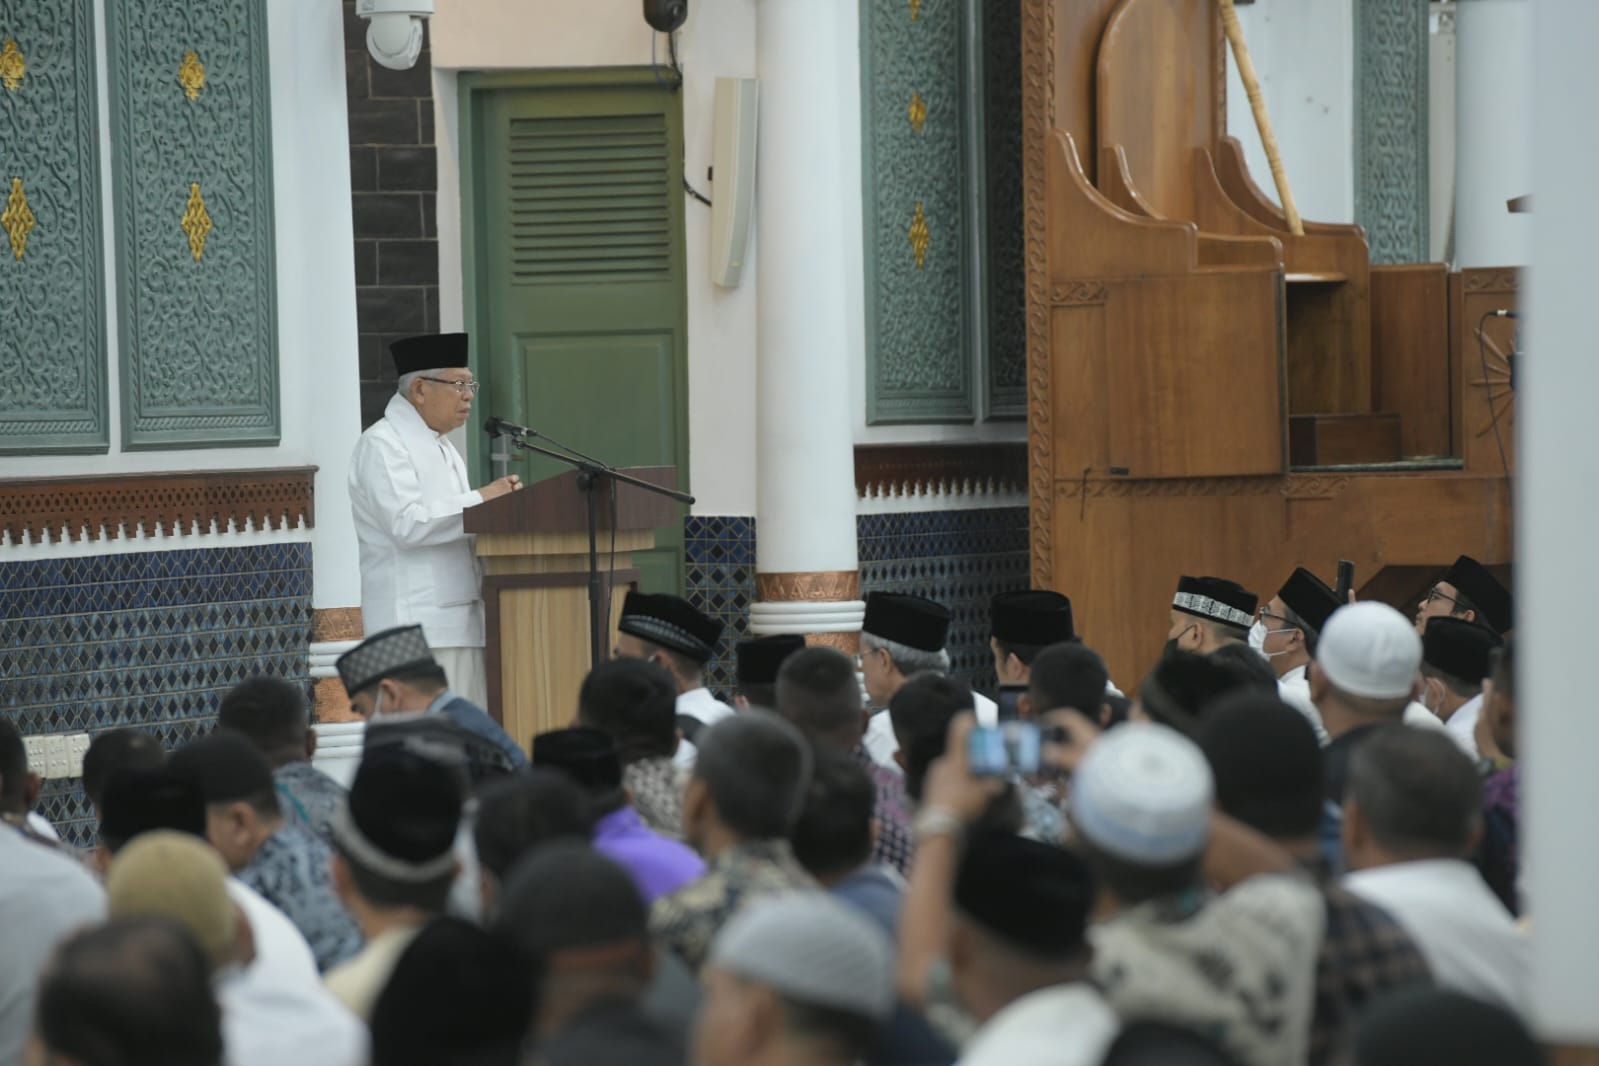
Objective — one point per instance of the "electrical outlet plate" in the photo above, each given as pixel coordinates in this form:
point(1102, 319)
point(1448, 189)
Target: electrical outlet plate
point(34, 746)
point(77, 747)
point(55, 756)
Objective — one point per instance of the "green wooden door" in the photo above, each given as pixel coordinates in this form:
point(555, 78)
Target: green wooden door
point(575, 213)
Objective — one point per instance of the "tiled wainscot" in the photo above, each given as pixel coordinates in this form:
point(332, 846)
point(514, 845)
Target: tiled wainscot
point(150, 639)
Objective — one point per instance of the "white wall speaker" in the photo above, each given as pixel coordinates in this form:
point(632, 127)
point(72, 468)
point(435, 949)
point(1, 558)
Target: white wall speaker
point(733, 178)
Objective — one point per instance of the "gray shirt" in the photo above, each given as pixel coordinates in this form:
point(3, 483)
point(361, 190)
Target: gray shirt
point(44, 895)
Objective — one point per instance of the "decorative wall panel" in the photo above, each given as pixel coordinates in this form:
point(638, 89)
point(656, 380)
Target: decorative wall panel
point(148, 639)
point(52, 293)
point(192, 148)
point(1391, 128)
point(917, 202)
point(1004, 245)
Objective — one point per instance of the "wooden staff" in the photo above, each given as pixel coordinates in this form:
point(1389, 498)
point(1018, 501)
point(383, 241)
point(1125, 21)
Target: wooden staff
point(1257, 104)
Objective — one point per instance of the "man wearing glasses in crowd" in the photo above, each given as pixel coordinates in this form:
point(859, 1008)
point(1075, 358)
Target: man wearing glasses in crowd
point(1467, 590)
point(408, 487)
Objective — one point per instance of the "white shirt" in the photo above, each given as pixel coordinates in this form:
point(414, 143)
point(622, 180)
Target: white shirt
point(408, 487)
point(1462, 725)
point(283, 959)
point(881, 744)
point(1419, 716)
point(1464, 932)
point(704, 708)
point(44, 896)
point(269, 1026)
point(1294, 689)
point(1065, 1025)
point(700, 705)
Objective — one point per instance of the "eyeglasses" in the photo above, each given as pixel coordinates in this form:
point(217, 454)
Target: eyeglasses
point(1266, 615)
point(1434, 594)
point(464, 388)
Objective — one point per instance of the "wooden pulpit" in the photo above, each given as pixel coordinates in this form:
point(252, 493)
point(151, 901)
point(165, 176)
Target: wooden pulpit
point(534, 545)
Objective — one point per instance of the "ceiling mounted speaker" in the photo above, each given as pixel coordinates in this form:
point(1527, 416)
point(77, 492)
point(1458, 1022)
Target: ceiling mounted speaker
point(664, 16)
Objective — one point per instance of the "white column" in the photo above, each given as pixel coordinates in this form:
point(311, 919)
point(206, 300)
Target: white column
point(806, 562)
point(1493, 130)
point(1557, 512)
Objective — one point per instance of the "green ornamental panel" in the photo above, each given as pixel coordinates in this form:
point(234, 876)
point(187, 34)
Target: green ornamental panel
point(192, 138)
point(1391, 180)
point(52, 295)
point(917, 211)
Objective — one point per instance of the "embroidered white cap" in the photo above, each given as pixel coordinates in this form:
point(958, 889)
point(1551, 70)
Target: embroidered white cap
point(1143, 794)
point(1370, 650)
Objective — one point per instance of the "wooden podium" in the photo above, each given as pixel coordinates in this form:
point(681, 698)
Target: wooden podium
point(534, 545)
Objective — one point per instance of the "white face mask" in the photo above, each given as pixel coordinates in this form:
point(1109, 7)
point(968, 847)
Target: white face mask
point(1257, 639)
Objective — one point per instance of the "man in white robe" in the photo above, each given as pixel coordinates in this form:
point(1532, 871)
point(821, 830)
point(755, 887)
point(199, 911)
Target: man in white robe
point(1286, 633)
point(408, 489)
point(1454, 664)
point(903, 635)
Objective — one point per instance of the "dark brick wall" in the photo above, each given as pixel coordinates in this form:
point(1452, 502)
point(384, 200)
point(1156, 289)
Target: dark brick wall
point(393, 189)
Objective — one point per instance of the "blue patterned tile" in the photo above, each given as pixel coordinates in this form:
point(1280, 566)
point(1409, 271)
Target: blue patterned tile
point(961, 559)
point(149, 639)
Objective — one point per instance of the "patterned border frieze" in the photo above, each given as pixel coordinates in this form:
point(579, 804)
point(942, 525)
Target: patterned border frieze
point(903, 469)
point(107, 508)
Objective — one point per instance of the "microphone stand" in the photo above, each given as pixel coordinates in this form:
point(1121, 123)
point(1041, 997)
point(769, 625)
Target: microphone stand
point(592, 473)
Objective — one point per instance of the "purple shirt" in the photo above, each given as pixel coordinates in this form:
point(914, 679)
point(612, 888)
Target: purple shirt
point(657, 865)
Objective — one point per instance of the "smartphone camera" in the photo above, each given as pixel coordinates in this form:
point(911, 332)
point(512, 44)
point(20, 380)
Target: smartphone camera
point(1010, 749)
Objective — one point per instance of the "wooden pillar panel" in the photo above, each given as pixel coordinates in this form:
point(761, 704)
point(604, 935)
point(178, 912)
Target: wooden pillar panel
point(1483, 367)
point(1410, 354)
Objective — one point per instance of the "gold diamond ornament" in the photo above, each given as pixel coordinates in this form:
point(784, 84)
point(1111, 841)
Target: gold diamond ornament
point(13, 65)
point(191, 75)
point(196, 222)
point(916, 10)
point(921, 237)
point(917, 112)
point(17, 219)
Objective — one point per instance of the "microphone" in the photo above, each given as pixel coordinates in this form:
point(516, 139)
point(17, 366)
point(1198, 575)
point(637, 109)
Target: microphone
point(1505, 314)
point(497, 426)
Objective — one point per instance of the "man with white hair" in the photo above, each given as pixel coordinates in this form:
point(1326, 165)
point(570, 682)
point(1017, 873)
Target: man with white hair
point(408, 488)
point(903, 635)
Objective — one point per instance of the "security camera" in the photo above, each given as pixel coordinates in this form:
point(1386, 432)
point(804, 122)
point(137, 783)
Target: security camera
point(664, 16)
point(394, 30)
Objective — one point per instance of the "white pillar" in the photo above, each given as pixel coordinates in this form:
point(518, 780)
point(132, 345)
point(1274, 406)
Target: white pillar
point(1493, 130)
point(1556, 514)
point(807, 567)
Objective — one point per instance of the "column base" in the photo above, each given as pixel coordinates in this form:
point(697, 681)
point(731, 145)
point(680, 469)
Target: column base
point(823, 606)
point(334, 631)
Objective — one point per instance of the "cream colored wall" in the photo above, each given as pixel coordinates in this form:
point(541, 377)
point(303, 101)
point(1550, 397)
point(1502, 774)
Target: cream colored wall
point(718, 41)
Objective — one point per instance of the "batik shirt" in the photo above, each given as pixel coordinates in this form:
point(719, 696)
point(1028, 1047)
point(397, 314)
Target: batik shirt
point(892, 811)
point(308, 797)
point(291, 871)
point(1365, 954)
point(657, 794)
point(1499, 854)
point(688, 920)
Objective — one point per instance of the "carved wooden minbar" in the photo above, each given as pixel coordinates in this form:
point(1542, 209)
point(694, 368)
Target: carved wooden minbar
point(1209, 393)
